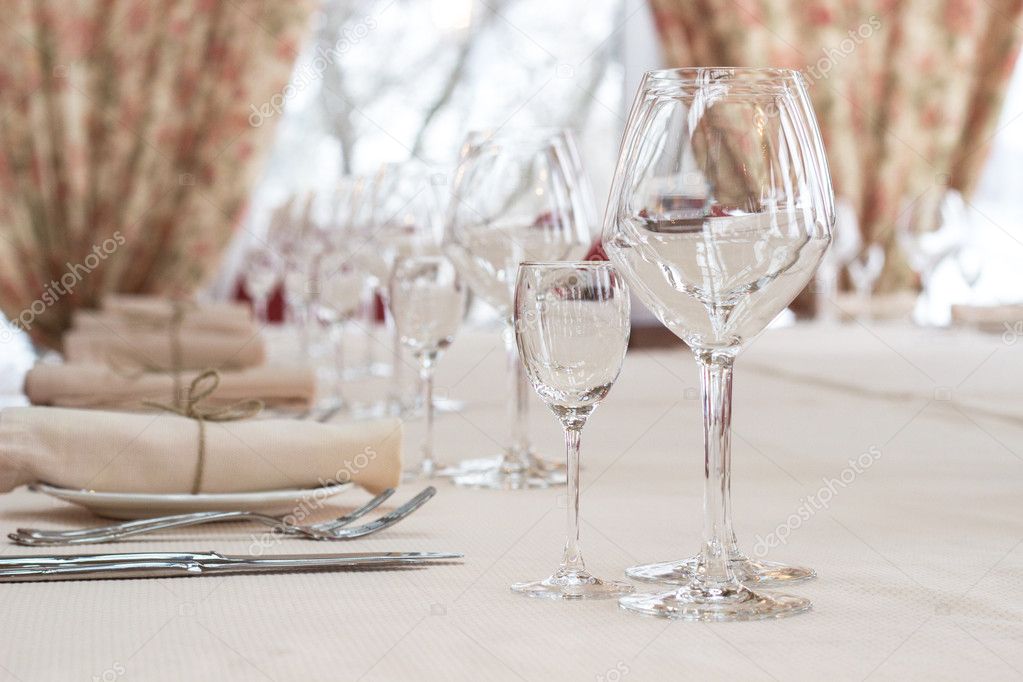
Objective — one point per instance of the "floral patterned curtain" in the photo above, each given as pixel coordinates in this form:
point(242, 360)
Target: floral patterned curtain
point(907, 92)
point(128, 143)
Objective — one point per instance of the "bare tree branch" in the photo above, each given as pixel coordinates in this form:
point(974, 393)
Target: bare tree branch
point(454, 76)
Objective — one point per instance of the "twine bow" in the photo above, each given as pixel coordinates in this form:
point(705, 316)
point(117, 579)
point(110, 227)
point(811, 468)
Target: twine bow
point(201, 388)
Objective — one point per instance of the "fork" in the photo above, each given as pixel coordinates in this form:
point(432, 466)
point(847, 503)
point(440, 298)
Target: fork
point(329, 530)
point(213, 516)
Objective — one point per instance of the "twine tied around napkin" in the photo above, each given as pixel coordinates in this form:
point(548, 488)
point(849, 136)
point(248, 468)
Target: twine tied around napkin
point(201, 388)
point(158, 322)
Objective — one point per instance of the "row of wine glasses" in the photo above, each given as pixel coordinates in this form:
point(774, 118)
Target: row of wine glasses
point(720, 212)
point(334, 253)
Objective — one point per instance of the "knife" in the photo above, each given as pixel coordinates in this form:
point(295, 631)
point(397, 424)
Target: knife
point(177, 564)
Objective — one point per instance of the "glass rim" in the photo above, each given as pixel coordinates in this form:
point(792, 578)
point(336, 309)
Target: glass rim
point(566, 263)
point(738, 79)
point(698, 74)
point(529, 138)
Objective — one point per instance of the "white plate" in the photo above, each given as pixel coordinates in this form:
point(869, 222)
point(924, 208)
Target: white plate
point(147, 505)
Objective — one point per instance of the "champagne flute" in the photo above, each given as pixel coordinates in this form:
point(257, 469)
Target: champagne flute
point(516, 198)
point(720, 211)
point(572, 331)
point(427, 302)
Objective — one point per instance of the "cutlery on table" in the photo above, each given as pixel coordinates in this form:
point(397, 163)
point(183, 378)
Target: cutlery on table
point(187, 564)
point(336, 529)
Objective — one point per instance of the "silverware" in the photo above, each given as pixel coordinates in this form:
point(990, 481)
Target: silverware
point(185, 564)
point(330, 530)
point(325, 526)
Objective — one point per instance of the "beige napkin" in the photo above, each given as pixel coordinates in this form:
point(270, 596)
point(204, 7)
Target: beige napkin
point(128, 310)
point(157, 453)
point(99, 386)
point(894, 306)
point(153, 350)
point(990, 318)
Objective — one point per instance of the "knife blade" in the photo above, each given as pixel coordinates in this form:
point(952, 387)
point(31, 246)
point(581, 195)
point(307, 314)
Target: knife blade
point(176, 564)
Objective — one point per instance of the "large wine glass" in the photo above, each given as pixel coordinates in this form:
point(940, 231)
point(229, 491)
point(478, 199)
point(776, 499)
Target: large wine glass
point(689, 191)
point(516, 197)
point(720, 212)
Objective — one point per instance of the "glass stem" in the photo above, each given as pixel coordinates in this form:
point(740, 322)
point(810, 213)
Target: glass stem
point(716, 391)
point(338, 332)
point(261, 307)
point(370, 315)
point(827, 287)
point(426, 376)
point(573, 558)
point(516, 457)
point(396, 358)
point(302, 321)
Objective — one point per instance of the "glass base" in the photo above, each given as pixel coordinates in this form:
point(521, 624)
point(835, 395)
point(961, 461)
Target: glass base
point(501, 478)
point(493, 473)
point(730, 602)
point(446, 405)
point(389, 407)
point(328, 410)
point(425, 471)
point(747, 571)
point(573, 585)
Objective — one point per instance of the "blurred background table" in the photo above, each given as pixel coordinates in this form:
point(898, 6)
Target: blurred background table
point(919, 555)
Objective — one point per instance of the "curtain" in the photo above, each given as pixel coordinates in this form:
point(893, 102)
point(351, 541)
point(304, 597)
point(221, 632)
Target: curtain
point(907, 92)
point(130, 131)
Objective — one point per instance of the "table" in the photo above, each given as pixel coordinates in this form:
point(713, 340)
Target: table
point(919, 555)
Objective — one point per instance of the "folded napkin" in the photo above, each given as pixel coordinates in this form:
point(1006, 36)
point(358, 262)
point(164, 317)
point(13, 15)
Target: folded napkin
point(879, 306)
point(211, 316)
point(156, 351)
point(157, 453)
point(99, 386)
point(991, 318)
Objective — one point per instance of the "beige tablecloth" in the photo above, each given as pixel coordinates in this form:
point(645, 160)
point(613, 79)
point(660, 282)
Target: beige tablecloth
point(920, 556)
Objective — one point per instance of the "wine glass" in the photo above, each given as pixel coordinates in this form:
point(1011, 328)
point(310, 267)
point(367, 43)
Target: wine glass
point(572, 331)
point(931, 228)
point(300, 246)
point(864, 269)
point(261, 270)
point(427, 302)
point(720, 212)
point(339, 296)
point(846, 243)
point(689, 190)
point(516, 197)
point(406, 221)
